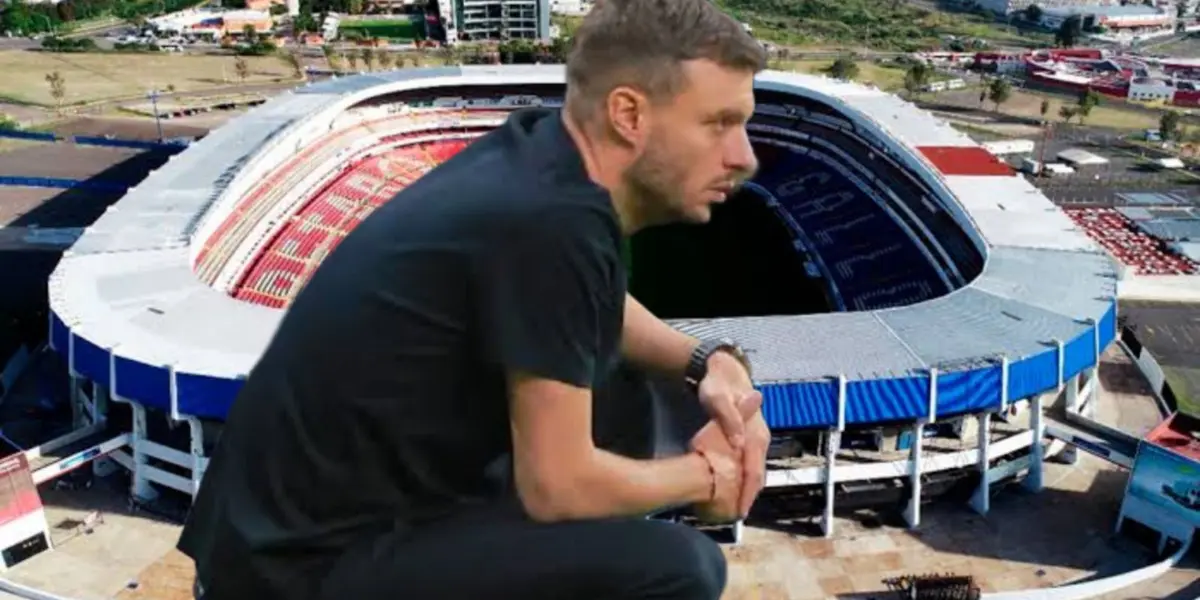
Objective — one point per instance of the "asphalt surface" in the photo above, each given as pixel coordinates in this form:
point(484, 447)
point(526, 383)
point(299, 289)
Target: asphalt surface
point(1109, 184)
point(1171, 332)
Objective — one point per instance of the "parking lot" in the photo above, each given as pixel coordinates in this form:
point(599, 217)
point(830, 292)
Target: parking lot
point(1127, 172)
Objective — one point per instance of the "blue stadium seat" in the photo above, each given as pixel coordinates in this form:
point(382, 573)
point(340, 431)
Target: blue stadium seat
point(870, 259)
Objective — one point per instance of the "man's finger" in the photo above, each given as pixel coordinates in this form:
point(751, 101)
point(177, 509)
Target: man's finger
point(749, 405)
point(732, 423)
point(754, 464)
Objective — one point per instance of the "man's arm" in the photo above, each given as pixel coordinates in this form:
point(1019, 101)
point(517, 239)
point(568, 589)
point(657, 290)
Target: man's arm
point(561, 475)
point(541, 289)
point(651, 344)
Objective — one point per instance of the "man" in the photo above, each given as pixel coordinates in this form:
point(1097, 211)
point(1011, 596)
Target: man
point(421, 425)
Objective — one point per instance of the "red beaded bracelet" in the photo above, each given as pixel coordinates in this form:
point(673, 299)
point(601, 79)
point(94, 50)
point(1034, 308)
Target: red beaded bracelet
point(712, 472)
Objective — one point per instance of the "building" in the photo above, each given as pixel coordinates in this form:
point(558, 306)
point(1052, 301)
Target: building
point(1132, 17)
point(213, 23)
point(1005, 7)
point(467, 20)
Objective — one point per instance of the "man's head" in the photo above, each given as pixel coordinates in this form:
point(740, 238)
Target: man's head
point(669, 83)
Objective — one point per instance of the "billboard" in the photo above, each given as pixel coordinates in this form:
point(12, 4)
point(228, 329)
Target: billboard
point(1168, 481)
point(18, 494)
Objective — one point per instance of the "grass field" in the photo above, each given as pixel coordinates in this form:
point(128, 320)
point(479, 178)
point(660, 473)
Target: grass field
point(877, 24)
point(385, 28)
point(93, 77)
point(883, 77)
point(1185, 383)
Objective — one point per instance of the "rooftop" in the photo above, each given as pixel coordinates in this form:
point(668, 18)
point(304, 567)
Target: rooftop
point(1179, 434)
point(1112, 12)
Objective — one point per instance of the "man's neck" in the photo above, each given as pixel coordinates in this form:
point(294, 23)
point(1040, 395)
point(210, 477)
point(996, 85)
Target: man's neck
point(605, 166)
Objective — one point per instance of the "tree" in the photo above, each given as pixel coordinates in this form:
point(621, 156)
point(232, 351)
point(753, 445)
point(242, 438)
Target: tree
point(917, 78)
point(1069, 32)
point(249, 33)
point(1087, 101)
point(1045, 109)
point(383, 58)
point(17, 18)
point(1033, 13)
point(352, 60)
point(241, 69)
point(58, 88)
point(1066, 112)
point(843, 68)
point(293, 60)
point(1168, 126)
point(999, 91)
point(368, 58)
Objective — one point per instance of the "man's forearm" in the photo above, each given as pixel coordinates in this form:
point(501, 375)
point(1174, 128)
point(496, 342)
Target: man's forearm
point(651, 344)
point(620, 486)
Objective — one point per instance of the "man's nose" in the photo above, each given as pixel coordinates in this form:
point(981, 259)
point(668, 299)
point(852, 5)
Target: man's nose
point(739, 154)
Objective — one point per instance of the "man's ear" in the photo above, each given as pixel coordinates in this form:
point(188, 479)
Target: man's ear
point(628, 115)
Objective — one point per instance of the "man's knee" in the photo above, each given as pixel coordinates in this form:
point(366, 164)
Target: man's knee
point(684, 562)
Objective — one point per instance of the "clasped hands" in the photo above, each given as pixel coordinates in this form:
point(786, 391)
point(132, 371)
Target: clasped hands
point(734, 441)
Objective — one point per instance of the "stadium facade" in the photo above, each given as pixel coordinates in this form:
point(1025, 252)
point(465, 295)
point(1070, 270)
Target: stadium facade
point(957, 291)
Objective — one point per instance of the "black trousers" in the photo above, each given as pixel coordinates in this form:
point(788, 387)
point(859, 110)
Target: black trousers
point(494, 551)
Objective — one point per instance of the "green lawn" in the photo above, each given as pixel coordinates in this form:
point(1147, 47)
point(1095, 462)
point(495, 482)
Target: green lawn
point(880, 24)
point(385, 28)
point(1185, 384)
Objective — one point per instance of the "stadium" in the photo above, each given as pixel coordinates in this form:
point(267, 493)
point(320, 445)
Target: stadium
point(892, 280)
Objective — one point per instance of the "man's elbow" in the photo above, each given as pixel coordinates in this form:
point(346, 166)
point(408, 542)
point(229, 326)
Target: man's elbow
point(550, 497)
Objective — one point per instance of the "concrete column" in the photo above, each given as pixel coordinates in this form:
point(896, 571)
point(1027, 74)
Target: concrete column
point(833, 442)
point(912, 514)
point(1037, 452)
point(981, 500)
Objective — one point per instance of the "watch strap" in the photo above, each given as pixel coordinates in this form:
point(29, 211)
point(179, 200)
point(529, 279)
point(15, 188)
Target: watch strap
point(697, 366)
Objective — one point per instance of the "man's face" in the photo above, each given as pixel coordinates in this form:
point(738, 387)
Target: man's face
point(696, 151)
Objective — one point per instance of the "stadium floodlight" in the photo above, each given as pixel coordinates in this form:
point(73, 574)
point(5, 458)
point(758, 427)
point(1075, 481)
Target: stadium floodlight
point(153, 96)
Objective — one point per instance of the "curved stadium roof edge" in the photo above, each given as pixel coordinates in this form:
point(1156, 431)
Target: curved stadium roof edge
point(129, 313)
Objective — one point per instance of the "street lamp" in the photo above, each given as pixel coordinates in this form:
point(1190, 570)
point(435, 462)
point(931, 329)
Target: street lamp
point(153, 95)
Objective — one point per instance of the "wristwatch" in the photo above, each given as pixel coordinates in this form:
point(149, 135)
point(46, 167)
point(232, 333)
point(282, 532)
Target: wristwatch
point(697, 366)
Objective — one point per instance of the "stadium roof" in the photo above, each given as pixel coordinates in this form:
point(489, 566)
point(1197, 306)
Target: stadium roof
point(130, 312)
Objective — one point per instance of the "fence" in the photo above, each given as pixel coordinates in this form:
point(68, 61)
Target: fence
point(60, 183)
point(172, 145)
point(1150, 369)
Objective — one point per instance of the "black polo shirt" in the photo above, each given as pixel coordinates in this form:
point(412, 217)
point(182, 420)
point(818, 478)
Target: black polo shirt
point(381, 398)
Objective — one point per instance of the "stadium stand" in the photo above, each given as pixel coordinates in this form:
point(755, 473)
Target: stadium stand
point(866, 255)
point(961, 293)
point(225, 255)
point(281, 269)
point(1121, 237)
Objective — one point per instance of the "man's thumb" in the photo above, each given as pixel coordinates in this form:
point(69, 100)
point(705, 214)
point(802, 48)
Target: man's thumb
point(749, 405)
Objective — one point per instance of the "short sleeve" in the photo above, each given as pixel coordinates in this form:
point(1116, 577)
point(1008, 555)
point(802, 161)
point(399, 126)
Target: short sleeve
point(544, 301)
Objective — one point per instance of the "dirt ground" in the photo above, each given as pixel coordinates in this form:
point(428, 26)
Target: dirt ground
point(92, 77)
point(1028, 105)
